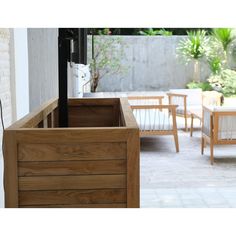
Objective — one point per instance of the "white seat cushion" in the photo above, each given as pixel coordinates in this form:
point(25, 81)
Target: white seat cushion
point(194, 96)
point(224, 109)
point(153, 119)
point(180, 109)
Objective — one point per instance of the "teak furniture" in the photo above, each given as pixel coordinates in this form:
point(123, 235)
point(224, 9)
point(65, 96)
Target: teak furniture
point(218, 127)
point(154, 118)
point(197, 113)
point(92, 163)
point(192, 99)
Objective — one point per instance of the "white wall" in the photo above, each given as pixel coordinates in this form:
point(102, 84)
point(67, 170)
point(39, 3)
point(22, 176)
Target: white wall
point(21, 72)
point(43, 65)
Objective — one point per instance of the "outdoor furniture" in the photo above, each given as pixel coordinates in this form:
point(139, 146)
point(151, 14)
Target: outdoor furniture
point(94, 162)
point(192, 99)
point(218, 127)
point(195, 113)
point(155, 119)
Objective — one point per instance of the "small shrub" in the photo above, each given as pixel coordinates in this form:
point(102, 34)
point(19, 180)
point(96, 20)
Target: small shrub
point(205, 86)
point(224, 82)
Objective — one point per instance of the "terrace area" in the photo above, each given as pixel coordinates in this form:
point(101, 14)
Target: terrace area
point(168, 178)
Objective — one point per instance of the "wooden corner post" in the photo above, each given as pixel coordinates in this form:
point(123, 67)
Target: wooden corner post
point(10, 169)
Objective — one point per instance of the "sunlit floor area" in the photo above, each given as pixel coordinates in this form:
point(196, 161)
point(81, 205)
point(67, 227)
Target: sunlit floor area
point(186, 179)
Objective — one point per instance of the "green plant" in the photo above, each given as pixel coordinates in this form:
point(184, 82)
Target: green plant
point(224, 36)
point(164, 32)
point(215, 64)
point(205, 86)
point(148, 32)
point(105, 31)
point(224, 82)
point(153, 32)
point(193, 48)
point(107, 54)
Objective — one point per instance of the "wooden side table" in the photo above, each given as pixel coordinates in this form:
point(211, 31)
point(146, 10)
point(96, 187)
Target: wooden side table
point(195, 113)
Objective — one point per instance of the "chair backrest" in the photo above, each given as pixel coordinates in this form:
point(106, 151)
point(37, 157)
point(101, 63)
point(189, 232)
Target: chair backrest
point(151, 115)
point(155, 117)
point(194, 96)
point(145, 100)
point(212, 98)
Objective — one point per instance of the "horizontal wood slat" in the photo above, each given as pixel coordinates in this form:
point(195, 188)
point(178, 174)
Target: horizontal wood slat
point(93, 102)
point(91, 116)
point(72, 135)
point(81, 151)
point(69, 197)
point(72, 182)
point(107, 205)
point(72, 168)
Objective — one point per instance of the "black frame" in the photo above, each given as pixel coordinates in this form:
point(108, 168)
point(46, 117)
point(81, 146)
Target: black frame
point(79, 55)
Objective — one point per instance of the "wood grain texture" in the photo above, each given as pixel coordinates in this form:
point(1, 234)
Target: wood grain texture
point(10, 169)
point(35, 117)
point(72, 135)
point(72, 168)
point(70, 197)
point(91, 116)
point(75, 166)
point(104, 205)
point(66, 152)
point(93, 102)
point(127, 117)
point(72, 182)
point(133, 178)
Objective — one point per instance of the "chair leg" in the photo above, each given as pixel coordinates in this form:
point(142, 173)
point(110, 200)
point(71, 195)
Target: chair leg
point(202, 146)
point(212, 152)
point(176, 141)
point(186, 123)
point(205, 143)
point(191, 127)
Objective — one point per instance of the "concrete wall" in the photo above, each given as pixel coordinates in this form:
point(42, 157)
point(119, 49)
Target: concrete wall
point(43, 65)
point(153, 66)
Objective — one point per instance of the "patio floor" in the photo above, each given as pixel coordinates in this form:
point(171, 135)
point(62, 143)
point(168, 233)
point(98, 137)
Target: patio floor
point(186, 179)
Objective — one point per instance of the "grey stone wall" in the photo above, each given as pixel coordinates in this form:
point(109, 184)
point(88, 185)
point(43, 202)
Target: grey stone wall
point(153, 66)
point(43, 65)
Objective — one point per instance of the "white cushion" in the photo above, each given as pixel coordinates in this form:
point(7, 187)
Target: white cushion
point(227, 109)
point(153, 119)
point(194, 96)
point(180, 109)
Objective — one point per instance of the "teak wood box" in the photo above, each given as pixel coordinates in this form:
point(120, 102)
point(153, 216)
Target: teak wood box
point(93, 163)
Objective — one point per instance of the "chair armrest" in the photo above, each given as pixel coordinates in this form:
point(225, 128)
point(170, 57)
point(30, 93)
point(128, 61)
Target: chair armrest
point(176, 95)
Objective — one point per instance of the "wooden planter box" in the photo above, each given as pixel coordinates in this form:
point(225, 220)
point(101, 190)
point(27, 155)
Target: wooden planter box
point(93, 163)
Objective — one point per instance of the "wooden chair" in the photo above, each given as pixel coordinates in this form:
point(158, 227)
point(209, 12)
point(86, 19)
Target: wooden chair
point(192, 99)
point(218, 127)
point(155, 119)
